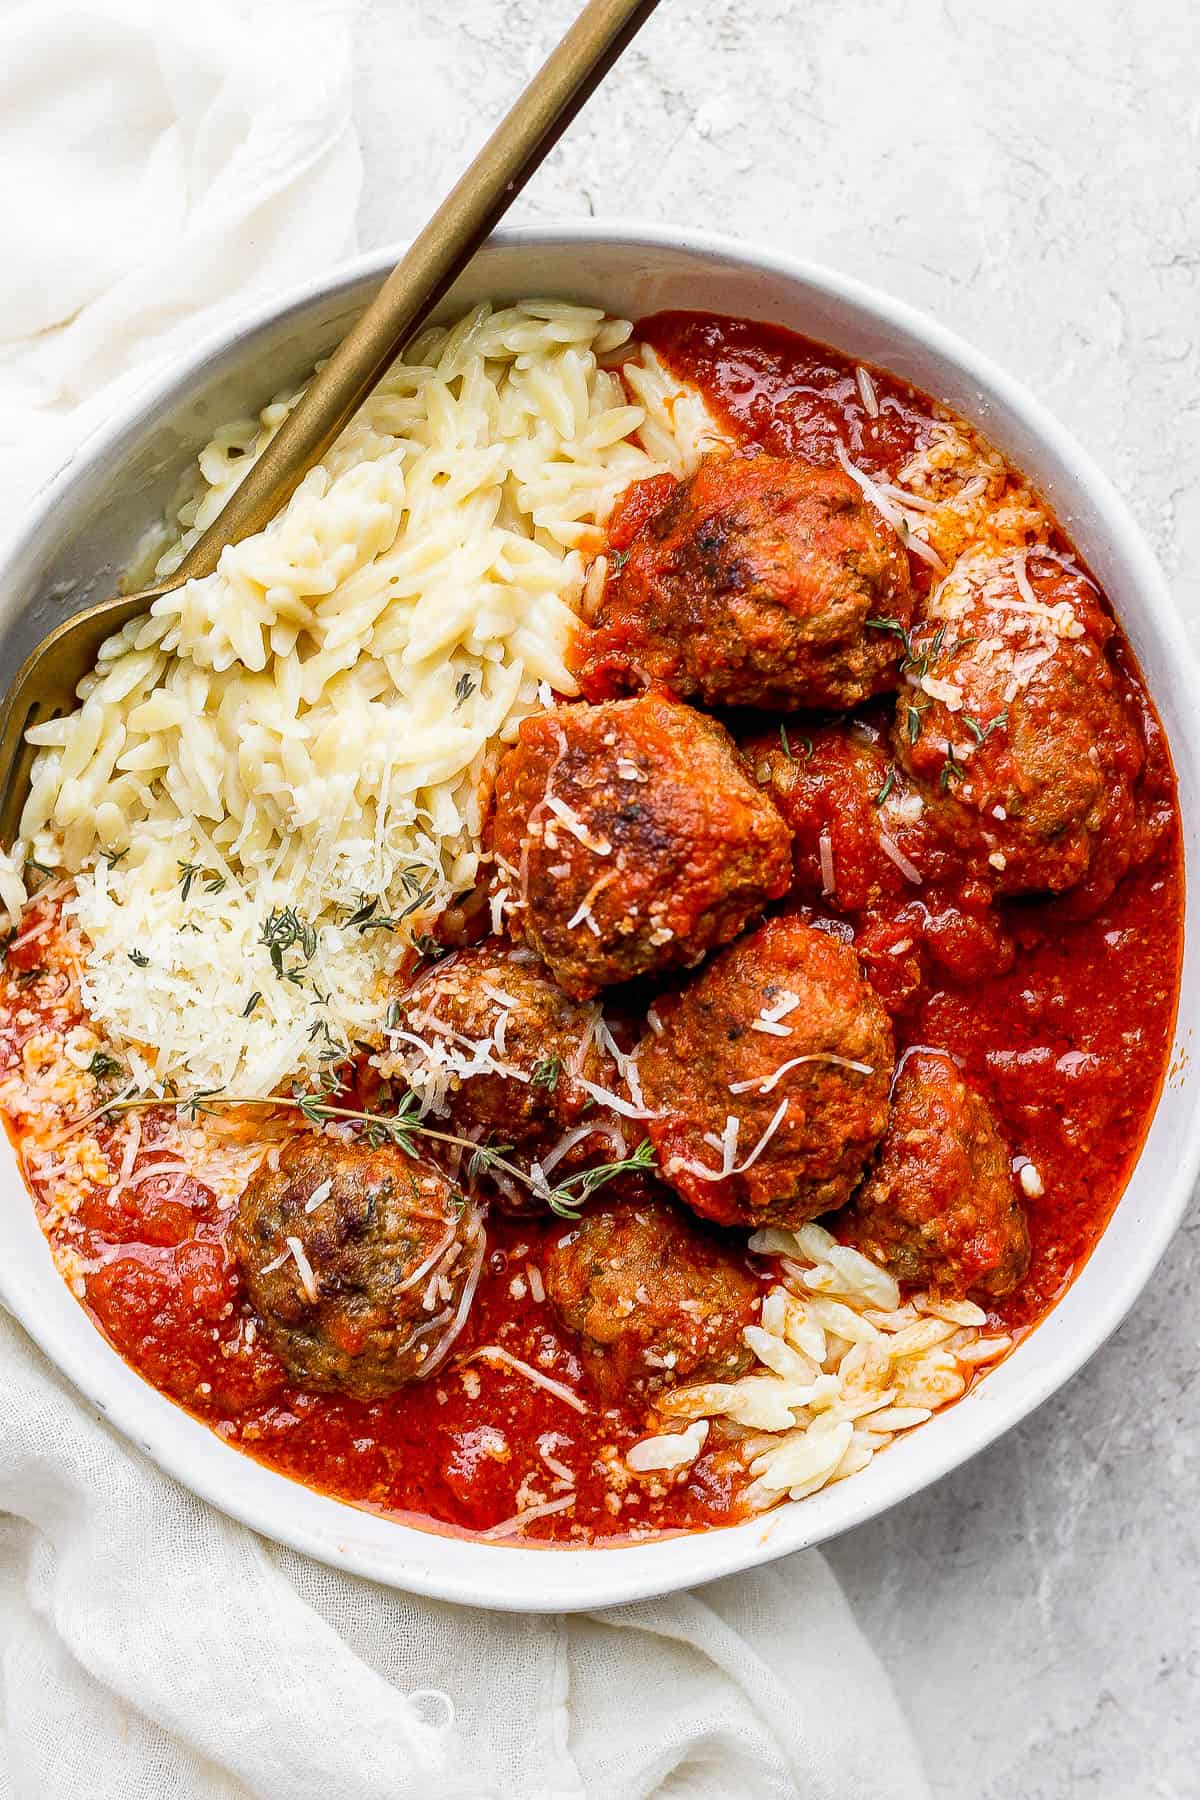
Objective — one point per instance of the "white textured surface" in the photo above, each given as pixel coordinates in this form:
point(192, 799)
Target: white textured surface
point(1028, 174)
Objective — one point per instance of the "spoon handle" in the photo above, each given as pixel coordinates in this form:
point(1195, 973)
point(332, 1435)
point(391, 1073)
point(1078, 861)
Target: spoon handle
point(445, 246)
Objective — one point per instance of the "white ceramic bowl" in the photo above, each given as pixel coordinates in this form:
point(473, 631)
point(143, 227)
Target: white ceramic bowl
point(84, 528)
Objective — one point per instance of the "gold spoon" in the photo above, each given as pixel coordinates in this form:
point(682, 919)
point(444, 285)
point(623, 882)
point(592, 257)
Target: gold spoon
point(46, 682)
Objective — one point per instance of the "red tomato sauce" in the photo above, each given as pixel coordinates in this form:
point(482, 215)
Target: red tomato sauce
point(454, 1451)
point(1070, 1048)
point(462, 1452)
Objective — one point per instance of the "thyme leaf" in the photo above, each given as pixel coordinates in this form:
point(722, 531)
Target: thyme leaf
point(894, 629)
point(282, 930)
point(546, 1073)
point(917, 665)
point(786, 745)
point(912, 721)
point(567, 1198)
point(952, 770)
point(981, 733)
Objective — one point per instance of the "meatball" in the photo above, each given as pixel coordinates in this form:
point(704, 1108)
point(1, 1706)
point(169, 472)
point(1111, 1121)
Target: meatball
point(769, 1077)
point(753, 586)
point(859, 838)
point(488, 1035)
point(359, 1262)
point(654, 1297)
point(630, 838)
point(863, 845)
point(939, 1208)
point(1017, 728)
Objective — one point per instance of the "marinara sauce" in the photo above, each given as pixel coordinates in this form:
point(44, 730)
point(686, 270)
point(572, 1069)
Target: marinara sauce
point(1070, 1048)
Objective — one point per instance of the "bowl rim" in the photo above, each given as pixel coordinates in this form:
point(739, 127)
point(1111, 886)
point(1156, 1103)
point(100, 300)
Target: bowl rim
point(509, 1577)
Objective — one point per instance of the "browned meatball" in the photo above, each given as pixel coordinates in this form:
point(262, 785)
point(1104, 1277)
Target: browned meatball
point(359, 1262)
point(656, 1299)
point(489, 1036)
point(753, 587)
point(1016, 726)
point(773, 1065)
point(939, 1208)
point(630, 838)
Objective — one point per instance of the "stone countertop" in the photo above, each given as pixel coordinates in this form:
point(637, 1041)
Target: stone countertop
point(1029, 175)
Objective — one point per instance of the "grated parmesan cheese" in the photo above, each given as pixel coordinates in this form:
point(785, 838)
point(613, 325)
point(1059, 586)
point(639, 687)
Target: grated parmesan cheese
point(308, 1280)
point(728, 1148)
point(313, 726)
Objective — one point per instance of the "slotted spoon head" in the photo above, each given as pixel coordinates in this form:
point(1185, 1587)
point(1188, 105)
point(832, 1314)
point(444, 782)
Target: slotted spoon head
point(44, 688)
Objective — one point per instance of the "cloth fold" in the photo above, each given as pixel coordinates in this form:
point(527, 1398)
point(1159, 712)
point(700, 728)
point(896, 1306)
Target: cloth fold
point(165, 166)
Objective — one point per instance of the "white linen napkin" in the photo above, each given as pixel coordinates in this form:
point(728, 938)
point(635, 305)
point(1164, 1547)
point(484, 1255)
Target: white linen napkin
point(163, 164)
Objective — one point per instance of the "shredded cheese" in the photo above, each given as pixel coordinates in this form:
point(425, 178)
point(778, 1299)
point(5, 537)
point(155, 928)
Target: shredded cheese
point(895, 854)
point(866, 391)
point(575, 825)
point(496, 1353)
point(308, 1280)
point(764, 1084)
point(769, 1018)
point(728, 1168)
point(518, 1521)
point(318, 1196)
point(825, 851)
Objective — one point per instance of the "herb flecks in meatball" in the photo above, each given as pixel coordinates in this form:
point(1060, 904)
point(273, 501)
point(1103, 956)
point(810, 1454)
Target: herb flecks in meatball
point(1015, 724)
point(359, 1262)
point(629, 838)
point(654, 1297)
point(754, 586)
point(770, 1078)
point(939, 1209)
point(490, 1038)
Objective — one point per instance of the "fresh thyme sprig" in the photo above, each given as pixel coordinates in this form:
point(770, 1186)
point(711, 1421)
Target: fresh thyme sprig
point(402, 1128)
point(952, 770)
point(190, 872)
